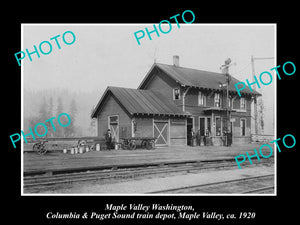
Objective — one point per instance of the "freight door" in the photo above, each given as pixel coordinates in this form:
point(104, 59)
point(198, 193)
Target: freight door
point(113, 122)
point(161, 130)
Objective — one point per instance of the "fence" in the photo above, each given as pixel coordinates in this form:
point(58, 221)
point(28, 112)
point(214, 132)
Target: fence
point(264, 138)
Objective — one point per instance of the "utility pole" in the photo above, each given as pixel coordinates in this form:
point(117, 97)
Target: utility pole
point(225, 70)
point(255, 99)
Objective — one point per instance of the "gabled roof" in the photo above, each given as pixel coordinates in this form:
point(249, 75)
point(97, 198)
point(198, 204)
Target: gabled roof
point(196, 78)
point(143, 102)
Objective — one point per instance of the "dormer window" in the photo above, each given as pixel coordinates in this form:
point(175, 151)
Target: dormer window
point(176, 94)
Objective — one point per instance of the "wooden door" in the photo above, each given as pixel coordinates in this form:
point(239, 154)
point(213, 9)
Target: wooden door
point(113, 123)
point(161, 130)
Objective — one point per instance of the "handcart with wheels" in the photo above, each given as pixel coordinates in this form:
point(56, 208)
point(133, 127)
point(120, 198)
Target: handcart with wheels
point(131, 143)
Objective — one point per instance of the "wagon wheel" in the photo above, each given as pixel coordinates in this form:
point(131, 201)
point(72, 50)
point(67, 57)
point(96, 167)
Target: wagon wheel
point(132, 145)
point(81, 143)
point(40, 148)
point(123, 146)
point(43, 150)
point(150, 145)
point(144, 144)
point(36, 146)
point(92, 147)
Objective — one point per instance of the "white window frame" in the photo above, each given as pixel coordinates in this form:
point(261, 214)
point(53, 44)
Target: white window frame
point(179, 97)
point(221, 131)
point(243, 102)
point(201, 99)
point(244, 119)
point(205, 123)
point(219, 98)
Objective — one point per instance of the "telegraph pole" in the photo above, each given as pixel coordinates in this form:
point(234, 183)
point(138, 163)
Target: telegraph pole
point(254, 87)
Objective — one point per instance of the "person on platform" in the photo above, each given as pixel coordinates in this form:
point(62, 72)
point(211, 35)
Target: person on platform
point(108, 139)
point(229, 138)
point(206, 137)
point(198, 138)
point(193, 138)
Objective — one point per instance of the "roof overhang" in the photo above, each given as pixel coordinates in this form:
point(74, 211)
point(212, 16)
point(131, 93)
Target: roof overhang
point(163, 114)
point(218, 109)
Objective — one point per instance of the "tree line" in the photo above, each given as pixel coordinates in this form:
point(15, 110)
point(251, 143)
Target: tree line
point(41, 105)
point(49, 108)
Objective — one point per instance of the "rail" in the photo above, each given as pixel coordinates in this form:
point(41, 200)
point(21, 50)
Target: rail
point(40, 179)
point(215, 185)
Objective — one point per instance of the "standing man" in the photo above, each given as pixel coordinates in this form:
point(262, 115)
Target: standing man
point(108, 139)
point(193, 137)
point(198, 137)
point(229, 138)
point(206, 137)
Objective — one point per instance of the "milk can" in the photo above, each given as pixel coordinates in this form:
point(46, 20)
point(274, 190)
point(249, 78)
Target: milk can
point(97, 147)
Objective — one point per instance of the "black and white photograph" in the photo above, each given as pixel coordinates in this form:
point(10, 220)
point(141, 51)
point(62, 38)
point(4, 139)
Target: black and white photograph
point(149, 109)
point(146, 113)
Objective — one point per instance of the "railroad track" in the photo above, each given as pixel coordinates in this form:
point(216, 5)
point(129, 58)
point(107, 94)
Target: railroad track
point(247, 185)
point(115, 174)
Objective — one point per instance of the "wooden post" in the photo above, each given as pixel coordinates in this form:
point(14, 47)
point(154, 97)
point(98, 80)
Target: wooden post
point(185, 90)
point(255, 115)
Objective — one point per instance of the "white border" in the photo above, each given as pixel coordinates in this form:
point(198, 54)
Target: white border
point(134, 24)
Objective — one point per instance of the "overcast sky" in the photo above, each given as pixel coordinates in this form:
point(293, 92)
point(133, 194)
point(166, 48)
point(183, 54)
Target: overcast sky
point(108, 55)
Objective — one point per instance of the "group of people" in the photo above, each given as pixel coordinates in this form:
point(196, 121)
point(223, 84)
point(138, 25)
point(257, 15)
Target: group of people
point(195, 138)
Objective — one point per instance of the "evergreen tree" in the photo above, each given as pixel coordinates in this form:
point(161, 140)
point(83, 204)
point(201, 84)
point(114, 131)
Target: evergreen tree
point(50, 115)
point(59, 109)
point(42, 117)
point(93, 121)
point(71, 129)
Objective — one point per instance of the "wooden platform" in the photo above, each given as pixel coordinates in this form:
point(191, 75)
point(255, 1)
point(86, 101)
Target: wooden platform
point(60, 161)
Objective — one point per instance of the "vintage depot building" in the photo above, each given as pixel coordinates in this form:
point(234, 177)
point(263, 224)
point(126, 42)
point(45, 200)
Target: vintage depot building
point(173, 100)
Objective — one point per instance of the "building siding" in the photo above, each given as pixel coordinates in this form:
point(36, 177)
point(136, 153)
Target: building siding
point(111, 107)
point(162, 83)
point(178, 131)
point(144, 127)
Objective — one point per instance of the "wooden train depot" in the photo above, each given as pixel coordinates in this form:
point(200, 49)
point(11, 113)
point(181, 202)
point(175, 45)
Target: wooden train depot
point(174, 104)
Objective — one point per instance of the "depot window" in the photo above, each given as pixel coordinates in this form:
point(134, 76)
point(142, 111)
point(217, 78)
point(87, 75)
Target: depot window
point(201, 99)
point(176, 93)
point(218, 126)
point(113, 120)
point(217, 100)
point(243, 127)
point(243, 104)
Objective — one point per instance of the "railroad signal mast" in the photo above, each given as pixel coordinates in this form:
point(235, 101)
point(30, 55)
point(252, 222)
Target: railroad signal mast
point(225, 70)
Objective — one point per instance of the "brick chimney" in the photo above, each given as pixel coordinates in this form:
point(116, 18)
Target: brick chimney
point(176, 60)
